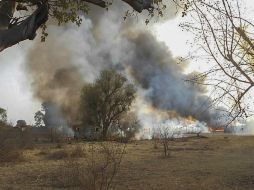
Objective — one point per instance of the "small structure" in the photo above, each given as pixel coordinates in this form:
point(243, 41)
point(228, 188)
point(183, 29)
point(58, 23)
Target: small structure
point(21, 124)
point(86, 132)
point(76, 133)
point(217, 130)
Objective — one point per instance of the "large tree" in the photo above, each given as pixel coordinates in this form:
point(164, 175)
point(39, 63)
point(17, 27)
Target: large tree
point(38, 118)
point(20, 19)
point(3, 115)
point(104, 102)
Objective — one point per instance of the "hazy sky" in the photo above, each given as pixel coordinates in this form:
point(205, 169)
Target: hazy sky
point(16, 95)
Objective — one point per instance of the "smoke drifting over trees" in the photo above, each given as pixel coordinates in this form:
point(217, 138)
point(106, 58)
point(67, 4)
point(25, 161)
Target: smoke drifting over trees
point(71, 56)
point(54, 78)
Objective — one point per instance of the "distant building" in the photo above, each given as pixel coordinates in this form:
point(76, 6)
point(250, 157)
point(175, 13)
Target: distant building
point(217, 129)
point(21, 124)
point(86, 132)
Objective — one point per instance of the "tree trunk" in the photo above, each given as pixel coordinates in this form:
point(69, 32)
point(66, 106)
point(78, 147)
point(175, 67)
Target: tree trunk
point(104, 133)
point(25, 30)
point(28, 27)
point(140, 5)
point(6, 12)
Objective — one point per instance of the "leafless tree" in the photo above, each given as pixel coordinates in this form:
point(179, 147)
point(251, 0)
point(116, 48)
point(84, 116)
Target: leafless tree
point(101, 173)
point(223, 33)
point(163, 134)
point(96, 171)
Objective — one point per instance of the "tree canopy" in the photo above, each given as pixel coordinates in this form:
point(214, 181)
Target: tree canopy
point(106, 100)
point(20, 19)
point(3, 115)
point(39, 117)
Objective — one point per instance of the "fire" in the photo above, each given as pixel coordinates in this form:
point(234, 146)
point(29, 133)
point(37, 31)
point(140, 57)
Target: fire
point(172, 114)
point(190, 120)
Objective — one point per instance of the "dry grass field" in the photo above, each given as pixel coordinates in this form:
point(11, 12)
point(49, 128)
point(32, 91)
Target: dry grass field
point(216, 162)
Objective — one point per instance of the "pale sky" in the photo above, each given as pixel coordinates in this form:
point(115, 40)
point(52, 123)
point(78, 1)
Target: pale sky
point(16, 95)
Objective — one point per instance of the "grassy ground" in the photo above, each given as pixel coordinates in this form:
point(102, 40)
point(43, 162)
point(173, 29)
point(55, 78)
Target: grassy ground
point(217, 162)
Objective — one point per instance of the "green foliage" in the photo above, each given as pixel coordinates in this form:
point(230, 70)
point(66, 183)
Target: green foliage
point(63, 11)
point(68, 10)
point(105, 101)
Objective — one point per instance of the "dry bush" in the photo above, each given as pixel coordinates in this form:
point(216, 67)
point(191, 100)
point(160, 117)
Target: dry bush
point(43, 152)
point(70, 174)
point(13, 141)
point(58, 155)
point(96, 171)
point(77, 152)
point(163, 135)
point(12, 155)
point(54, 135)
point(155, 138)
point(59, 145)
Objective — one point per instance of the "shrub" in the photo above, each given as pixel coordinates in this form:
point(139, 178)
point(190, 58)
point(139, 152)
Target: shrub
point(77, 152)
point(58, 155)
point(96, 171)
point(70, 174)
point(13, 141)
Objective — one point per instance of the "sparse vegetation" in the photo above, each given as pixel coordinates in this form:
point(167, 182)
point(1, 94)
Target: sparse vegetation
point(58, 155)
point(95, 171)
point(165, 137)
point(155, 139)
point(3, 116)
point(38, 118)
point(195, 163)
point(13, 142)
point(77, 152)
point(129, 126)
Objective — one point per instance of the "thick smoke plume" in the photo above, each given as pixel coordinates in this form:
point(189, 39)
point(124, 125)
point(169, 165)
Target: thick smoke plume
point(72, 56)
point(54, 78)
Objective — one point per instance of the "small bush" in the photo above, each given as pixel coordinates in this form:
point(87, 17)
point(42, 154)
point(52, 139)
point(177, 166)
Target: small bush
point(59, 145)
point(11, 156)
point(70, 174)
point(58, 155)
point(13, 141)
point(77, 152)
point(44, 151)
point(96, 171)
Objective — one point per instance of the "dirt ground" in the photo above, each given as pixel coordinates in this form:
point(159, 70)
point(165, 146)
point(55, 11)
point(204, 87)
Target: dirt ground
point(217, 162)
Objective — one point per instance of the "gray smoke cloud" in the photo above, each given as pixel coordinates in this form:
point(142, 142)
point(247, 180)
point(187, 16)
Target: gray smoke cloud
point(53, 78)
point(73, 56)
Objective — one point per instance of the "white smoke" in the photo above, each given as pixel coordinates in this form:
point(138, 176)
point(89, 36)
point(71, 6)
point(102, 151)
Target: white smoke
point(242, 128)
point(106, 41)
